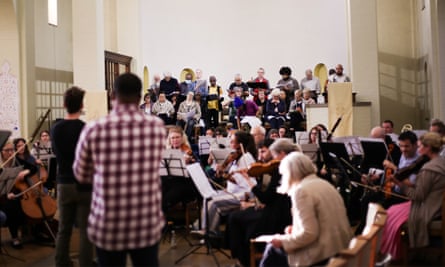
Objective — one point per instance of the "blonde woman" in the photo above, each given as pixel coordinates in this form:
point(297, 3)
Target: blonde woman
point(315, 235)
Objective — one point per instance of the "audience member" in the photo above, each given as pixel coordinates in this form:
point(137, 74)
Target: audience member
point(339, 76)
point(238, 82)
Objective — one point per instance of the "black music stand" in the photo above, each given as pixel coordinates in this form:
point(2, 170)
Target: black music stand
point(4, 135)
point(173, 164)
point(338, 149)
point(207, 192)
point(374, 152)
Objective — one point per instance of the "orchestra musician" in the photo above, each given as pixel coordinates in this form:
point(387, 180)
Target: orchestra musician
point(408, 147)
point(178, 188)
point(425, 200)
point(320, 226)
point(12, 171)
point(272, 211)
point(235, 167)
point(42, 149)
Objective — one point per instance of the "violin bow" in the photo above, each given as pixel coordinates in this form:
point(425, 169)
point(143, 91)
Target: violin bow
point(371, 187)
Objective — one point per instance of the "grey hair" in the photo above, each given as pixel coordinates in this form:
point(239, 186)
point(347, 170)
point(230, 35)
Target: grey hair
point(284, 145)
point(295, 167)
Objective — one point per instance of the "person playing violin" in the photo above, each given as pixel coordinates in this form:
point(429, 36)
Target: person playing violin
point(178, 188)
point(272, 214)
point(235, 166)
point(10, 205)
point(425, 200)
point(408, 148)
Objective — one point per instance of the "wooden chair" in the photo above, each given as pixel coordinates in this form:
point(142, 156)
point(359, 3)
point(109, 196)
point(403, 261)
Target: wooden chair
point(255, 254)
point(436, 231)
point(358, 253)
point(338, 262)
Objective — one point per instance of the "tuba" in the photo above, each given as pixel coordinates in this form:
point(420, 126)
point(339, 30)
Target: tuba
point(406, 127)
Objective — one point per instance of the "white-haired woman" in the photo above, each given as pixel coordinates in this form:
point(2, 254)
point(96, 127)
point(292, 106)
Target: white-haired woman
point(275, 110)
point(315, 235)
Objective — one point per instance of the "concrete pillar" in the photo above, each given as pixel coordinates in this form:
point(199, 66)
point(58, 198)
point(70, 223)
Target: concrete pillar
point(363, 53)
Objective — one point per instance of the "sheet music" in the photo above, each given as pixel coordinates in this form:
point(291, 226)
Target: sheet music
point(204, 143)
point(265, 238)
point(201, 181)
point(187, 115)
point(220, 154)
point(301, 137)
point(173, 163)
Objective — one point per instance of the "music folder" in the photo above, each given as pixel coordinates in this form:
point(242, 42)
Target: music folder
point(261, 85)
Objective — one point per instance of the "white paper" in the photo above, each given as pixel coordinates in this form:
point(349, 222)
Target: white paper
point(220, 154)
point(252, 121)
point(201, 181)
point(265, 238)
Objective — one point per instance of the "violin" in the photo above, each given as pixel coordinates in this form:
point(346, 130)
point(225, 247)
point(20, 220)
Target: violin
point(258, 168)
point(414, 168)
point(233, 156)
point(388, 184)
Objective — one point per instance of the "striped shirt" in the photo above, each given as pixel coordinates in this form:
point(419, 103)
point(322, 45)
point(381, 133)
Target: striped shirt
point(120, 155)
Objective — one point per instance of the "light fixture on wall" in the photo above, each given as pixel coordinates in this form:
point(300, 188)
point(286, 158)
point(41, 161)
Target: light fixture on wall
point(52, 13)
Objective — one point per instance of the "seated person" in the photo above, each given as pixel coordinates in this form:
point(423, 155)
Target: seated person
point(275, 110)
point(315, 234)
point(188, 115)
point(10, 205)
point(271, 212)
point(163, 109)
point(178, 188)
point(234, 170)
point(425, 200)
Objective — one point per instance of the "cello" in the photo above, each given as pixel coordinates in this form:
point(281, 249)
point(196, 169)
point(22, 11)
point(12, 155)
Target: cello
point(36, 204)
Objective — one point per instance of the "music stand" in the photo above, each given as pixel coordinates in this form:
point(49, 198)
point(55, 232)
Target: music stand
point(173, 163)
point(207, 192)
point(310, 150)
point(204, 144)
point(4, 135)
point(374, 152)
point(301, 137)
point(338, 149)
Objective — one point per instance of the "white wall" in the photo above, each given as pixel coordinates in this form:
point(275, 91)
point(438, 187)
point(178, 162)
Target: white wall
point(228, 37)
point(53, 45)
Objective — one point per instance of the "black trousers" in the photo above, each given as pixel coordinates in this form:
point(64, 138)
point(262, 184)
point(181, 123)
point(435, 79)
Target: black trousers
point(241, 228)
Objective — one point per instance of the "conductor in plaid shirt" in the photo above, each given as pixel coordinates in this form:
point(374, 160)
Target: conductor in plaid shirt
point(120, 155)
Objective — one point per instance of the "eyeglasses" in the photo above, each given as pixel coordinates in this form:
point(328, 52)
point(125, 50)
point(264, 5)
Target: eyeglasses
point(8, 150)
